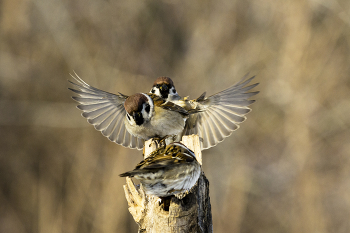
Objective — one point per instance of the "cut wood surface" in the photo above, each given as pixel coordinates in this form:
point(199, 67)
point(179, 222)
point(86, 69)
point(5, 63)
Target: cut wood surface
point(190, 214)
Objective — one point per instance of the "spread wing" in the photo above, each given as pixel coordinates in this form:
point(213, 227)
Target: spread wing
point(106, 112)
point(220, 114)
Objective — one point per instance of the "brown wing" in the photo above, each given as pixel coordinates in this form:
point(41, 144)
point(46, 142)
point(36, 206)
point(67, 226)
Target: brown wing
point(172, 155)
point(160, 102)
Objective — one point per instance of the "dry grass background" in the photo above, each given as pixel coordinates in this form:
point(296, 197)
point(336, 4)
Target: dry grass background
point(287, 169)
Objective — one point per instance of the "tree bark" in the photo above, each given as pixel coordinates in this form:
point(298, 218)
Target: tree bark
point(192, 213)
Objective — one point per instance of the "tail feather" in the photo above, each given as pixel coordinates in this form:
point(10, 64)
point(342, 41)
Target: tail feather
point(130, 174)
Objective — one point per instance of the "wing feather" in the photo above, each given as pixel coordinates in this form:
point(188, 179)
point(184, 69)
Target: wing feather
point(127, 140)
point(104, 123)
point(220, 114)
point(87, 107)
point(220, 124)
point(110, 128)
point(219, 128)
point(99, 121)
point(233, 116)
point(105, 111)
point(209, 128)
point(117, 134)
point(93, 113)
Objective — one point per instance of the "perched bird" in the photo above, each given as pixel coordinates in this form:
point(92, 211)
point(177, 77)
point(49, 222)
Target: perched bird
point(129, 121)
point(169, 170)
point(217, 115)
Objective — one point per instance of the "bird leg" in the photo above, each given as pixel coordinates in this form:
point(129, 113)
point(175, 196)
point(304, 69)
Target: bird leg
point(162, 141)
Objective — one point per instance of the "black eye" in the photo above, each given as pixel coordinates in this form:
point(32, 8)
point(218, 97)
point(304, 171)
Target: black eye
point(128, 116)
point(147, 108)
point(174, 91)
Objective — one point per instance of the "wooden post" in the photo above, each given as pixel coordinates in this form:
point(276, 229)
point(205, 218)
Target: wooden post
point(190, 214)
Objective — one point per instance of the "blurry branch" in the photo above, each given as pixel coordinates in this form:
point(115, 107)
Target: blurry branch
point(192, 213)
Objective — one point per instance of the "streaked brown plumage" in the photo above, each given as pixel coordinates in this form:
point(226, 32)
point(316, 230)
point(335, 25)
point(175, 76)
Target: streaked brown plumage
point(170, 170)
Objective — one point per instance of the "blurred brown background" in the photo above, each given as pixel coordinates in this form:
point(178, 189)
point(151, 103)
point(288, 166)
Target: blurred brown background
point(287, 169)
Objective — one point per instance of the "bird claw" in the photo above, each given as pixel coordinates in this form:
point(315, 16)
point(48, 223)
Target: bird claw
point(162, 142)
point(154, 140)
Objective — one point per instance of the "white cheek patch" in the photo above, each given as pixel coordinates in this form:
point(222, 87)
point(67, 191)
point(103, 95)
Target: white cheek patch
point(172, 91)
point(151, 105)
point(146, 115)
point(155, 91)
point(173, 96)
point(130, 119)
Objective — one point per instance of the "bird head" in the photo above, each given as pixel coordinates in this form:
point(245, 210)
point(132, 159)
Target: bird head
point(139, 108)
point(165, 88)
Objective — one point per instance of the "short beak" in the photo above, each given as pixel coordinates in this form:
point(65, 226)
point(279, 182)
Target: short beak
point(163, 87)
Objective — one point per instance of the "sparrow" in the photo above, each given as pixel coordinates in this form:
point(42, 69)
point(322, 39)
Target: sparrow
point(129, 120)
point(169, 170)
point(217, 116)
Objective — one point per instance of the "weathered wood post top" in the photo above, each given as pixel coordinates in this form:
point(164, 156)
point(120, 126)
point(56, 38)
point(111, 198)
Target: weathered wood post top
point(192, 213)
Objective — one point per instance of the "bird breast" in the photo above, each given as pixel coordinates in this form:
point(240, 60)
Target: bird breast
point(167, 122)
point(162, 123)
